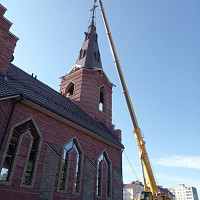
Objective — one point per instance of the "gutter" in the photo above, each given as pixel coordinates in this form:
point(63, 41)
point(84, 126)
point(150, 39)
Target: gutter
point(9, 97)
point(62, 119)
point(9, 121)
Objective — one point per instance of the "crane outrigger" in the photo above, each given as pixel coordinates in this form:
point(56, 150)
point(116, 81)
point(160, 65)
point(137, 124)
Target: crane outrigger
point(146, 166)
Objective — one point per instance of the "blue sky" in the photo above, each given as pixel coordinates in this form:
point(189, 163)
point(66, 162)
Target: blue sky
point(158, 45)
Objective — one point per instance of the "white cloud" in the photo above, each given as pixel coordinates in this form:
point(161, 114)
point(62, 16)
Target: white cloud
point(180, 161)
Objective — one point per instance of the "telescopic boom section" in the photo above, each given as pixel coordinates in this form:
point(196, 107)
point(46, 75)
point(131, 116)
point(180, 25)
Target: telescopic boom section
point(138, 135)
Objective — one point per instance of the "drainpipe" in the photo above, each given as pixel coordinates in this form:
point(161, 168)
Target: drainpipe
point(10, 118)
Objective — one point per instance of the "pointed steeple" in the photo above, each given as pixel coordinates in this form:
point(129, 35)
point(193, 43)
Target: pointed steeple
point(87, 83)
point(89, 55)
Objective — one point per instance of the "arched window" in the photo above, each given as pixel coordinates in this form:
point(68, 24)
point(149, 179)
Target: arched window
point(97, 56)
point(13, 148)
point(69, 91)
point(95, 37)
point(103, 159)
point(82, 54)
point(102, 99)
point(86, 36)
point(68, 149)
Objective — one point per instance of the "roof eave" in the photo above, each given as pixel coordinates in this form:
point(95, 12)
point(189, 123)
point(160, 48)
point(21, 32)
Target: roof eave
point(68, 122)
point(10, 97)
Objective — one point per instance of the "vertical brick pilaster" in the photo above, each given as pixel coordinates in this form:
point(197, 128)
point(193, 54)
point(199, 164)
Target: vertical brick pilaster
point(89, 182)
point(118, 191)
point(49, 174)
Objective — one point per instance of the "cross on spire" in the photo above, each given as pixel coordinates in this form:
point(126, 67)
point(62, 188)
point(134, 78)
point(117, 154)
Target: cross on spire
point(89, 55)
point(93, 11)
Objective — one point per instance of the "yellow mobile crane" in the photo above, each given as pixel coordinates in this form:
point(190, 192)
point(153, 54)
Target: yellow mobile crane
point(143, 195)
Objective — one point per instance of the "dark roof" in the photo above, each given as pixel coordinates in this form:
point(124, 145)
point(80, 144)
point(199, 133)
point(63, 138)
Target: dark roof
point(165, 190)
point(21, 83)
point(5, 88)
point(130, 185)
point(89, 55)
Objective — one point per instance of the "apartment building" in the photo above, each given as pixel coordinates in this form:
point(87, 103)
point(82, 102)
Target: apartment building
point(184, 193)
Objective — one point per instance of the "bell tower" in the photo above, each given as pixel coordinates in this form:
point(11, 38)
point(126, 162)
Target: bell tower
point(87, 83)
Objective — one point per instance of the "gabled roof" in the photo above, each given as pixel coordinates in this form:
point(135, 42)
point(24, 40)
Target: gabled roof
point(131, 185)
point(18, 82)
point(5, 89)
point(165, 190)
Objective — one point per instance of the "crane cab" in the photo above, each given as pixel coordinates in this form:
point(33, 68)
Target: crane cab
point(142, 195)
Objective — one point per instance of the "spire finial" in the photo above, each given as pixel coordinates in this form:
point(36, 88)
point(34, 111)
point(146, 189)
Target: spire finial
point(93, 12)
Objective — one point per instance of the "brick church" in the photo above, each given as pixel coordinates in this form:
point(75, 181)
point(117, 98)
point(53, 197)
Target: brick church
point(58, 145)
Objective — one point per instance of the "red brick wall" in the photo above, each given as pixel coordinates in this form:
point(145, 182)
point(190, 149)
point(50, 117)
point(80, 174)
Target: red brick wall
point(7, 42)
point(5, 111)
point(57, 133)
point(87, 84)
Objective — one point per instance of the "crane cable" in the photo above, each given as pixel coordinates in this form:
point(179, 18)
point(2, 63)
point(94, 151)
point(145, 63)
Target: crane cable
point(130, 164)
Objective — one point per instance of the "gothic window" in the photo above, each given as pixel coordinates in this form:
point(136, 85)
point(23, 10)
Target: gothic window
point(97, 56)
point(102, 99)
point(69, 91)
point(68, 149)
point(12, 150)
point(32, 157)
point(103, 159)
point(95, 37)
point(5, 170)
point(86, 36)
point(82, 54)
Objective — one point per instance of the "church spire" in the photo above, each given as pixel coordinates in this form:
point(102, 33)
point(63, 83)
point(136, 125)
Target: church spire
point(89, 55)
point(87, 83)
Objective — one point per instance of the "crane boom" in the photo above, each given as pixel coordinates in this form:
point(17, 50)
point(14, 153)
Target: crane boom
point(137, 131)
